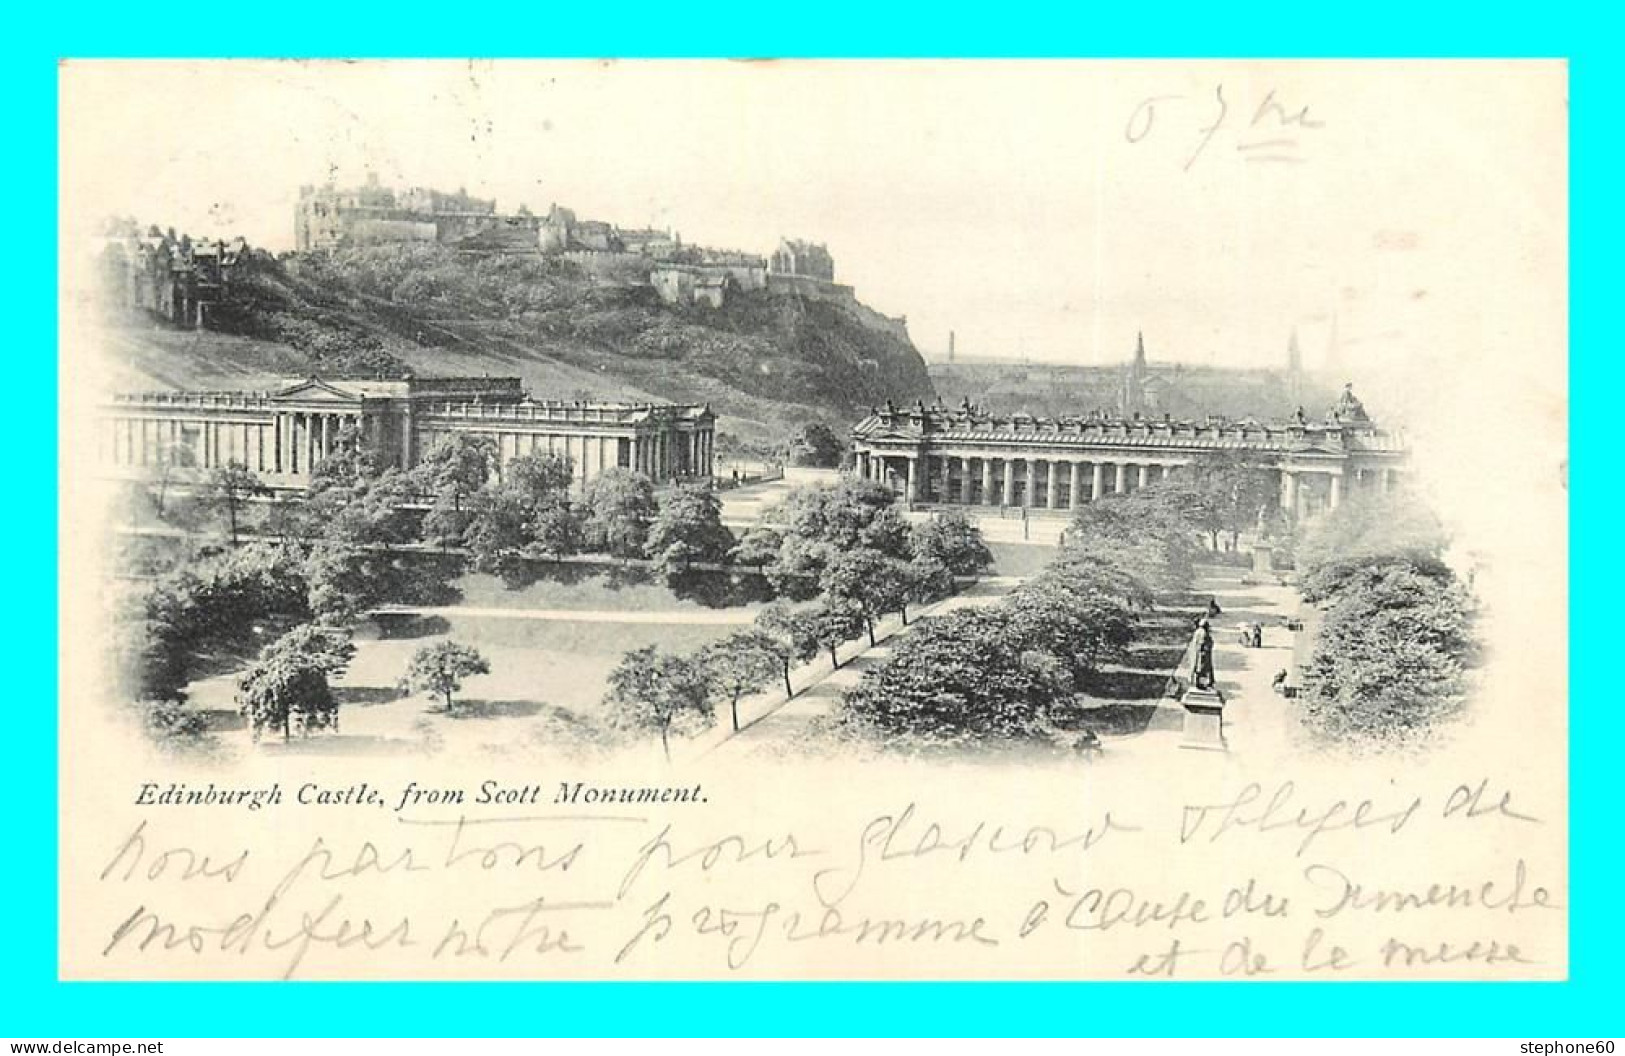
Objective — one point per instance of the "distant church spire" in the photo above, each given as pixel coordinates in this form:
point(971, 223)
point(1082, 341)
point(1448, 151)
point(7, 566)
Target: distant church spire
point(1294, 369)
point(1132, 399)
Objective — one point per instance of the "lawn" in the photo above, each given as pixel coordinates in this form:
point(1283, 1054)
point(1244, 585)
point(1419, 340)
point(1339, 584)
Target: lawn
point(613, 588)
point(550, 672)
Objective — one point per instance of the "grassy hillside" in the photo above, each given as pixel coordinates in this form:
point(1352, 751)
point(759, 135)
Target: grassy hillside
point(766, 363)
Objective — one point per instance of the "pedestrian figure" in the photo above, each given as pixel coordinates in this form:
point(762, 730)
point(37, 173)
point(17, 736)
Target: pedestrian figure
point(1213, 607)
point(1258, 636)
point(1279, 682)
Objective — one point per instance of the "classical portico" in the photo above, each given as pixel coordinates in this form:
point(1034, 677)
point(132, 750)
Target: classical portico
point(966, 457)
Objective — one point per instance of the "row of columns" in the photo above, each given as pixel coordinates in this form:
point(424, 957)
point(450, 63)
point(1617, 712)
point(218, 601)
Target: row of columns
point(1060, 484)
point(300, 440)
point(1337, 482)
point(288, 444)
point(292, 443)
point(589, 454)
point(1031, 482)
point(659, 456)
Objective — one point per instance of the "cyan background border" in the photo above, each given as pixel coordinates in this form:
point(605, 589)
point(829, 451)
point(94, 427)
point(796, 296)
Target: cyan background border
point(35, 37)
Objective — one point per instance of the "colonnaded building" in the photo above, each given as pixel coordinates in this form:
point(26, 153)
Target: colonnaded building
point(966, 456)
point(281, 435)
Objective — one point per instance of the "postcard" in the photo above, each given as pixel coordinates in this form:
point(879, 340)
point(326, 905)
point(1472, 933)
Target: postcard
point(769, 520)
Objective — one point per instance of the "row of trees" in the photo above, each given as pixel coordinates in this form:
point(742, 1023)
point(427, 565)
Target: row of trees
point(841, 558)
point(1013, 670)
point(1160, 531)
point(527, 514)
point(339, 551)
point(1009, 670)
point(1395, 639)
point(849, 548)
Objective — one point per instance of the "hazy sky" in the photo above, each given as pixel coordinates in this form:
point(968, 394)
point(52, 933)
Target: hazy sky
point(1034, 208)
point(1037, 209)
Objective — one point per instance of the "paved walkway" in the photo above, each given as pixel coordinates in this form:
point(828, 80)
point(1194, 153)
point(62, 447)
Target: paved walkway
point(1258, 721)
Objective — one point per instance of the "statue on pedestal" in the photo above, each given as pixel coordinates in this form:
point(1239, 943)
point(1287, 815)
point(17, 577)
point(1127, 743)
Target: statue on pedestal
point(1204, 704)
point(1202, 675)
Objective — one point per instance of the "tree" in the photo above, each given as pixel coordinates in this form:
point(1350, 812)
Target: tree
point(348, 465)
point(888, 532)
point(211, 603)
point(794, 633)
point(875, 583)
point(446, 523)
point(651, 691)
point(287, 687)
point(170, 456)
point(1223, 493)
point(1147, 534)
point(929, 579)
point(556, 529)
point(797, 569)
point(368, 513)
point(834, 621)
point(1077, 623)
point(539, 479)
point(1389, 661)
point(758, 546)
point(1370, 528)
point(498, 529)
point(456, 467)
point(172, 726)
point(839, 515)
point(228, 488)
point(816, 445)
point(440, 668)
point(957, 679)
point(527, 514)
point(620, 504)
point(328, 647)
point(689, 528)
point(342, 580)
point(954, 541)
point(741, 663)
point(821, 522)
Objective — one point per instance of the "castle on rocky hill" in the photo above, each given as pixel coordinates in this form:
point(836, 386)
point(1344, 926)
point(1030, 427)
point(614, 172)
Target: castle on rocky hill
point(329, 217)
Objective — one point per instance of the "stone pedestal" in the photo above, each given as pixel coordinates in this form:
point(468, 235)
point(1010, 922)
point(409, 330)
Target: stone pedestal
point(1204, 719)
point(1263, 555)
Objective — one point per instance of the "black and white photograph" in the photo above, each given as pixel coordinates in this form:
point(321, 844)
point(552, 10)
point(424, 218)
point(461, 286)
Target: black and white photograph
point(848, 519)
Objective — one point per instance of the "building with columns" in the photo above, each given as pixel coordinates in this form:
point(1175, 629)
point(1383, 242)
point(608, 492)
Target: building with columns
point(967, 457)
point(281, 435)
